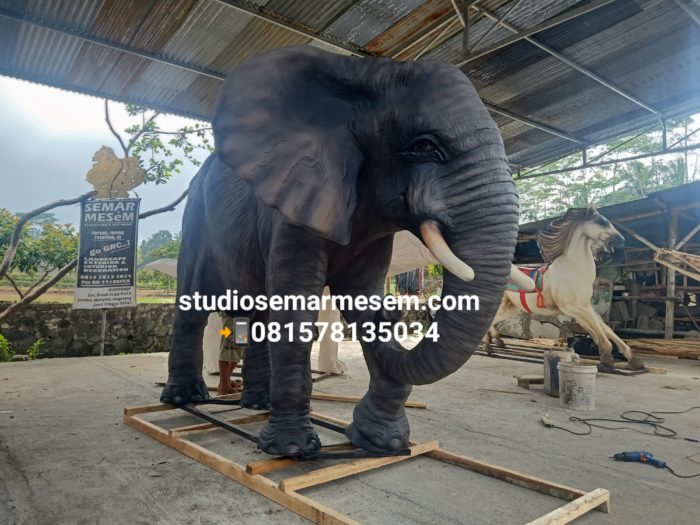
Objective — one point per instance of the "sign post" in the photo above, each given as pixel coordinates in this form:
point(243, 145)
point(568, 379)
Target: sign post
point(107, 255)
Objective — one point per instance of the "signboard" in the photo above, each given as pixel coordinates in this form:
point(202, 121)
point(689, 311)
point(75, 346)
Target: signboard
point(107, 254)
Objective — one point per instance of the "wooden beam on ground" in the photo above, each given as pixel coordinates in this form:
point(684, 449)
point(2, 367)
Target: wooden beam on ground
point(576, 508)
point(312, 510)
point(524, 380)
point(341, 398)
point(512, 476)
point(270, 465)
point(159, 407)
point(201, 427)
point(324, 475)
point(285, 493)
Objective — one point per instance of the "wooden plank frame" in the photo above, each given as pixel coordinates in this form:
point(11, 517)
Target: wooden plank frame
point(286, 492)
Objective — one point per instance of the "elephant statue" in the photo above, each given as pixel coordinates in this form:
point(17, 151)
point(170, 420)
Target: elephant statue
point(320, 159)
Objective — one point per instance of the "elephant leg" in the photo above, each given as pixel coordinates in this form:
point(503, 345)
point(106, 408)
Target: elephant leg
point(292, 271)
point(185, 383)
point(256, 373)
point(379, 421)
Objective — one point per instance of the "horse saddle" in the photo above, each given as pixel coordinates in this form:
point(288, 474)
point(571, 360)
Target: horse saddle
point(537, 275)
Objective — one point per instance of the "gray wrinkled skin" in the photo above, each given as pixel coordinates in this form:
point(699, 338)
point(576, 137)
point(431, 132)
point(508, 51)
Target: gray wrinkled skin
point(320, 159)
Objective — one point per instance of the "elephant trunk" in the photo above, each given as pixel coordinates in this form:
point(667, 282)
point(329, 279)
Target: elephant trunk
point(483, 235)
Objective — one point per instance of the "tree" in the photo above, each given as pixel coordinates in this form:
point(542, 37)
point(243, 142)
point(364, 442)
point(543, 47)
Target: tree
point(156, 157)
point(39, 254)
point(549, 195)
point(155, 241)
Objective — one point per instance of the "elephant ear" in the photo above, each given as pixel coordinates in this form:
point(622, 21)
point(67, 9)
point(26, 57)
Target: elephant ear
point(282, 123)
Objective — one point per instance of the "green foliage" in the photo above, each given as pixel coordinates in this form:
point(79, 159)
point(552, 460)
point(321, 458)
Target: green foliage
point(550, 195)
point(6, 352)
point(33, 351)
point(44, 246)
point(157, 156)
point(160, 245)
point(435, 270)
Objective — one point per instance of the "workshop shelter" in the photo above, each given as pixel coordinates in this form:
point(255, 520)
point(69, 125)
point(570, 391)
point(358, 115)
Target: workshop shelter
point(557, 75)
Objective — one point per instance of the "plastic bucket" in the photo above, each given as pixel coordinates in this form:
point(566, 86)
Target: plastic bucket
point(551, 373)
point(577, 386)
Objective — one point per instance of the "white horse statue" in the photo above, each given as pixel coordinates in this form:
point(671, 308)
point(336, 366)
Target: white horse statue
point(570, 247)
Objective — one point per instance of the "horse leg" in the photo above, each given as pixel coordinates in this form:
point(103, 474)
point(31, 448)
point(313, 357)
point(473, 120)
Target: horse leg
point(589, 321)
point(486, 341)
point(634, 362)
point(505, 310)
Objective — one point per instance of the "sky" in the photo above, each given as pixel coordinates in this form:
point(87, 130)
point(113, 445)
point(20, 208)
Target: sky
point(48, 137)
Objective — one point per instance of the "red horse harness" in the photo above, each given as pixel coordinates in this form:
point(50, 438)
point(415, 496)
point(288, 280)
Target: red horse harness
point(537, 275)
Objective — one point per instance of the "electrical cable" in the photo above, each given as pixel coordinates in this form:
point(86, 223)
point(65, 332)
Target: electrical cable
point(649, 418)
point(681, 475)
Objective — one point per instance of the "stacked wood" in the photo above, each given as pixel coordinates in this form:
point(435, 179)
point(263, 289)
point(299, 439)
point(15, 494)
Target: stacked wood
point(532, 351)
point(682, 348)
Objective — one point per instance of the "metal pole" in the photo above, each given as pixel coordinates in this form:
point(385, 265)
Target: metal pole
point(578, 67)
point(671, 278)
point(532, 123)
point(495, 24)
point(547, 24)
point(104, 331)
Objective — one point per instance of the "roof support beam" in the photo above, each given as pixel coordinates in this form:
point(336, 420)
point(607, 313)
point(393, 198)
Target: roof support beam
point(461, 7)
point(495, 24)
point(112, 45)
point(427, 35)
point(547, 24)
point(530, 175)
point(683, 4)
point(590, 74)
point(537, 125)
point(251, 8)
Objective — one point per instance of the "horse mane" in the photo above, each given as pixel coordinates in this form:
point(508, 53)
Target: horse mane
point(553, 240)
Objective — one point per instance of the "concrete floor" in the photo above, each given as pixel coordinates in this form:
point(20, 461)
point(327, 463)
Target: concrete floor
point(66, 457)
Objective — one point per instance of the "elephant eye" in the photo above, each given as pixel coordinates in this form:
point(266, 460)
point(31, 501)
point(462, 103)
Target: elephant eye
point(423, 145)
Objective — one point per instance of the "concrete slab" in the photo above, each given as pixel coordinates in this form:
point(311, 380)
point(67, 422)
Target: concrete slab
point(65, 456)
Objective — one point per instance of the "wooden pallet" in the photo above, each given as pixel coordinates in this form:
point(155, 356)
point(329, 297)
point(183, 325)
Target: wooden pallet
point(287, 491)
point(327, 396)
point(533, 352)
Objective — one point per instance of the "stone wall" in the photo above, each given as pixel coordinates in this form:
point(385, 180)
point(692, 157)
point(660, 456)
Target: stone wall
point(73, 333)
point(70, 333)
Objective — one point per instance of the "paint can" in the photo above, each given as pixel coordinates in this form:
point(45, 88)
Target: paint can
point(551, 373)
point(577, 386)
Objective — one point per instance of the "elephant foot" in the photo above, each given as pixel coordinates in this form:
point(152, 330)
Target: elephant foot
point(289, 436)
point(255, 398)
point(372, 430)
point(636, 364)
point(606, 365)
point(185, 390)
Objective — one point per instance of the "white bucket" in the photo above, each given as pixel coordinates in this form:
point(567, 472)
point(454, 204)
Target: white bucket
point(577, 386)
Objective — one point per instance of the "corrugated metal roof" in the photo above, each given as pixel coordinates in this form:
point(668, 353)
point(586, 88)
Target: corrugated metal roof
point(650, 48)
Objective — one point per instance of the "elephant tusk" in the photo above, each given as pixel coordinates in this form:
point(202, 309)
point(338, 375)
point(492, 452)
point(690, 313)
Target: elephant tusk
point(430, 231)
point(520, 280)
